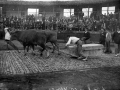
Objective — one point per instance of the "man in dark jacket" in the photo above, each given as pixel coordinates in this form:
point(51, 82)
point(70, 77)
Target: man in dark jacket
point(116, 39)
point(86, 36)
point(102, 37)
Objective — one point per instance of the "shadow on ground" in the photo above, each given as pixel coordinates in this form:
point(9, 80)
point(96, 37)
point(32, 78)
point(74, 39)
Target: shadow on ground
point(106, 78)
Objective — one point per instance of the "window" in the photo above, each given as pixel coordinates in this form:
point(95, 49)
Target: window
point(72, 12)
point(90, 11)
point(111, 9)
point(32, 11)
point(68, 12)
point(87, 11)
point(106, 10)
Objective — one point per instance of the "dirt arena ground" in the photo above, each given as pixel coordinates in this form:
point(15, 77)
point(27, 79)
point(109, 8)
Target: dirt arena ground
point(58, 72)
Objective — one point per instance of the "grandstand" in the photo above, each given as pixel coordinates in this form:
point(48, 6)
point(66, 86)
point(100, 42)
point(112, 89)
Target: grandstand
point(22, 13)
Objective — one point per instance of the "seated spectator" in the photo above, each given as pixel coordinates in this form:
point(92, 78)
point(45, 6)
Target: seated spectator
point(86, 36)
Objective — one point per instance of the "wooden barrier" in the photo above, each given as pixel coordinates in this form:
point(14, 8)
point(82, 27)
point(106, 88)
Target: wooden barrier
point(94, 35)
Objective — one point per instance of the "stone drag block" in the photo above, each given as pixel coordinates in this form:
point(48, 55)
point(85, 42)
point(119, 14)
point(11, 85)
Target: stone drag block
point(88, 50)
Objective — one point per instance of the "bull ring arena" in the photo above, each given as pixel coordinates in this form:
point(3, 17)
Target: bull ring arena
point(101, 71)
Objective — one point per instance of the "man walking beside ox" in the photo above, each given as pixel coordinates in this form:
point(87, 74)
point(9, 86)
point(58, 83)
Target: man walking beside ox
point(8, 39)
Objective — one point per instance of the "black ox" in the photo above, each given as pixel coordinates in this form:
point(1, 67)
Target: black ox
point(51, 36)
point(31, 38)
point(2, 34)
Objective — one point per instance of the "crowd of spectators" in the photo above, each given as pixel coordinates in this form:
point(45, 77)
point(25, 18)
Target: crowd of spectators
point(93, 23)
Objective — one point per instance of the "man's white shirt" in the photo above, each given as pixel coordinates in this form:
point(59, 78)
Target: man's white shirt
point(7, 35)
point(118, 31)
point(72, 40)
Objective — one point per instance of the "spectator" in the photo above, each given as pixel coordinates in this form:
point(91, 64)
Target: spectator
point(95, 21)
point(116, 39)
point(86, 36)
point(102, 37)
point(107, 42)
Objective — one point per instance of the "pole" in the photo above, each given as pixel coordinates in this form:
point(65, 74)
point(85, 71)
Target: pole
point(88, 11)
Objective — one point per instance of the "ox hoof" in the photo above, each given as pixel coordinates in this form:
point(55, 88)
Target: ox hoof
point(59, 53)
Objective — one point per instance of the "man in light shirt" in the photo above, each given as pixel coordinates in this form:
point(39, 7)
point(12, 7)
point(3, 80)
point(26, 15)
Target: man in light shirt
point(8, 39)
point(78, 42)
point(108, 39)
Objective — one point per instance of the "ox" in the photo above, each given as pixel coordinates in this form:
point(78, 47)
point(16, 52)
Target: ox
point(2, 34)
point(30, 38)
point(51, 36)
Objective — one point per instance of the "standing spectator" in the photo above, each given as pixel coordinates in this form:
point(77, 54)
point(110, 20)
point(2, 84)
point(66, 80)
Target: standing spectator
point(43, 22)
point(50, 22)
point(102, 37)
point(81, 14)
point(8, 40)
point(111, 15)
point(107, 42)
point(116, 39)
point(54, 22)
